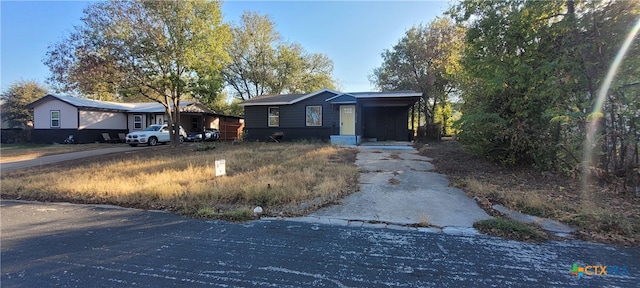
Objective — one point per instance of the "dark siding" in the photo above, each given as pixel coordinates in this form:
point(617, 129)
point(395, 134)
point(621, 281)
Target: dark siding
point(386, 123)
point(290, 134)
point(255, 116)
point(48, 136)
point(292, 120)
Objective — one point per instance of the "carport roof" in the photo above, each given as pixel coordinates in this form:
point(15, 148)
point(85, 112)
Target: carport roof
point(352, 97)
point(386, 94)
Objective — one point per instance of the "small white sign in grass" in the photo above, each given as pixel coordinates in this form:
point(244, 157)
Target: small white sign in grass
point(220, 167)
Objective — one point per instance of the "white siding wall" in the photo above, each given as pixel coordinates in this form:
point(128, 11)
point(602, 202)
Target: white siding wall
point(42, 115)
point(102, 120)
point(146, 120)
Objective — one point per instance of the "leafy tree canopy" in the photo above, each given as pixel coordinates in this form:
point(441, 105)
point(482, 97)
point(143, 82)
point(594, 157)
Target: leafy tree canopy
point(160, 50)
point(531, 71)
point(15, 98)
point(261, 63)
point(426, 59)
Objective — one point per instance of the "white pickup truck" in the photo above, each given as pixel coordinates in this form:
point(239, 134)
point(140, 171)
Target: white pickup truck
point(153, 135)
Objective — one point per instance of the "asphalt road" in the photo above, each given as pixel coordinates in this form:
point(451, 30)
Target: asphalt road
point(45, 245)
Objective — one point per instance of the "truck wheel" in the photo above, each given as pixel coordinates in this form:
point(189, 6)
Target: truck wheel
point(153, 141)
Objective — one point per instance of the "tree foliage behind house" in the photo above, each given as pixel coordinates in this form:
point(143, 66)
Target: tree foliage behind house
point(426, 60)
point(160, 50)
point(261, 63)
point(14, 100)
point(532, 71)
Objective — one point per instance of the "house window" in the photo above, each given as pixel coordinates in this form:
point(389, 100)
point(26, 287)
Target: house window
point(274, 116)
point(137, 122)
point(194, 123)
point(55, 118)
point(314, 115)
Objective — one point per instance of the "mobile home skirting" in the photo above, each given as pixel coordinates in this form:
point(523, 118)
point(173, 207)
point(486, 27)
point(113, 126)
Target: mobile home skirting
point(49, 136)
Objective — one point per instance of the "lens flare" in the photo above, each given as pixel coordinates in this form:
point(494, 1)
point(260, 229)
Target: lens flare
point(597, 109)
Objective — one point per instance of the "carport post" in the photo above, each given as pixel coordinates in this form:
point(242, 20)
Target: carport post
point(413, 118)
point(203, 122)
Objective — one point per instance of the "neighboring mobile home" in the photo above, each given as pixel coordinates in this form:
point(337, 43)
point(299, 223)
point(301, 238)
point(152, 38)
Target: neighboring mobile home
point(327, 115)
point(56, 117)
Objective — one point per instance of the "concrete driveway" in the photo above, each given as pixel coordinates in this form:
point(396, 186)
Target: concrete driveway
point(397, 186)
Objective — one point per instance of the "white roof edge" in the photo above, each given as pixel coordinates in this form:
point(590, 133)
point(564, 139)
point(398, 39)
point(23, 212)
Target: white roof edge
point(339, 95)
point(314, 94)
point(382, 95)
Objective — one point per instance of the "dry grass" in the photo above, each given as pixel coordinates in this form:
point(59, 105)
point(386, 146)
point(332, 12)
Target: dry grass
point(511, 229)
point(277, 177)
point(17, 152)
point(424, 221)
point(613, 217)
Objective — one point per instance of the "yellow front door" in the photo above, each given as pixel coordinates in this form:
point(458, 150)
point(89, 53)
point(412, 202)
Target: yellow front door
point(348, 120)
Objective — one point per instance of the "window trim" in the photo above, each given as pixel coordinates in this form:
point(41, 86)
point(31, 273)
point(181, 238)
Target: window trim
point(137, 122)
point(51, 118)
point(306, 115)
point(269, 116)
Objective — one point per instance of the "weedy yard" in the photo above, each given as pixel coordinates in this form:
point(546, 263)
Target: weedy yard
point(17, 152)
point(612, 216)
point(287, 178)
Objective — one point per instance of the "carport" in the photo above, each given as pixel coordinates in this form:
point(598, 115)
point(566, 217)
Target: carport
point(379, 116)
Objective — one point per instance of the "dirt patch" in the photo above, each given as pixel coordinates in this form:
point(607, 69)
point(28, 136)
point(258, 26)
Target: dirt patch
point(395, 156)
point(613, 218)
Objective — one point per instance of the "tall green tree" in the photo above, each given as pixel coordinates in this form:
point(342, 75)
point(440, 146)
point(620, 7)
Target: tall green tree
point(263, 64)
point(160, 50)
point(228, 105)
point(506, 57)
point(15, 100)
point(297, 71)
point(252, 53)
point(425, 60)
point(532, 70)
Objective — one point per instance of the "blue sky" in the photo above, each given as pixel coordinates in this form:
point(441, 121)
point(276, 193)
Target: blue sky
point(352, 34)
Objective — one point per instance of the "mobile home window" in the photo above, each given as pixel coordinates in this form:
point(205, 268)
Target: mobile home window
point(194, 123)
point(137, 122)
point(274, 116)
point(55, 119)
point(314, 115)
